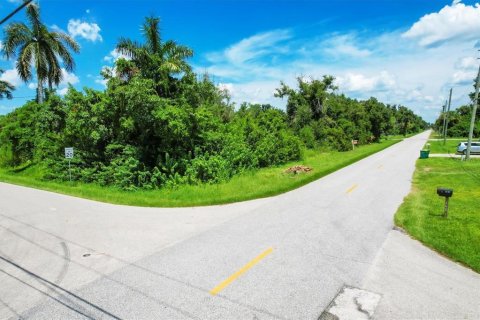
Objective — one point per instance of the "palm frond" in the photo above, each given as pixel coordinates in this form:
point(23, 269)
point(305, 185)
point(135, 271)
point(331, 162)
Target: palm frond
point(61, 50)
point(66, 40)
point(6, 88)
point(24, 61)
point(54, 70)
point(151, 32)
point(33, 16)
point(16, 34)
point(128, 47)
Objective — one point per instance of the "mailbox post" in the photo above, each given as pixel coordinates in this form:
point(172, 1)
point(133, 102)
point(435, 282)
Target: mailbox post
point(447, 193)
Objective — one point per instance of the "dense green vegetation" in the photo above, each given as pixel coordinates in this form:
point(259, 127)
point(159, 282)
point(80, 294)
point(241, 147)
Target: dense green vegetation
point(159, 125)
point(459, 122)
point(458, 235)
point(251, 184)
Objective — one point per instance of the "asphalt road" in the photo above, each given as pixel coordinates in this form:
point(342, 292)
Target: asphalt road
point(284, 257)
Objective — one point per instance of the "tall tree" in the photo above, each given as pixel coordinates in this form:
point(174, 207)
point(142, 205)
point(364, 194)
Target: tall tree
point(6, 88)
point(311, 92)
point(35, 46)
point(154, 59)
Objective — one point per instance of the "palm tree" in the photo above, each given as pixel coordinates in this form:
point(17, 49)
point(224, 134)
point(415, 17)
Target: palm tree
point(154, 59)
point(6, 88)
point(34, 45)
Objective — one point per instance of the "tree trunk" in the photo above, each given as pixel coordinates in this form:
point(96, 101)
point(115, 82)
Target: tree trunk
point(40, 92)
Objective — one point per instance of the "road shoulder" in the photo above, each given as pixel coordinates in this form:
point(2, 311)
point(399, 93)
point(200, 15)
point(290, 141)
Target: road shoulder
point(417, 283)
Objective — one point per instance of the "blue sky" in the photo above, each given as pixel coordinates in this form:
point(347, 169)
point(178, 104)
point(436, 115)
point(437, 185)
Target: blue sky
point(406, 52)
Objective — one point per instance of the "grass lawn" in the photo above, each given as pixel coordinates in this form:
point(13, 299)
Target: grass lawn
point(449, 147)
point(458, 235)
point(249, 185)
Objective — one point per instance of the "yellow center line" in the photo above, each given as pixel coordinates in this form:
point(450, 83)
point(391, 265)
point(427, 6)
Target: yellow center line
point(352, 188)
point(237, 274)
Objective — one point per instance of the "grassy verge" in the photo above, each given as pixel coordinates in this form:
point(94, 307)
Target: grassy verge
point(437, 136)
point(449, 147)
point(458, 235)
point(249, 185)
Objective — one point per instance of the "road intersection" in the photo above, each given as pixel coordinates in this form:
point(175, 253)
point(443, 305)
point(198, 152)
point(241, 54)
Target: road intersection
point(284, 257)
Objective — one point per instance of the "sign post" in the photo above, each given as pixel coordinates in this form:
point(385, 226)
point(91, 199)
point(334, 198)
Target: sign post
point(69, 156)
point(354, 143)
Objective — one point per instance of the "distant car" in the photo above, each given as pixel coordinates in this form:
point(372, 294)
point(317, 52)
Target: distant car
point(462, 147)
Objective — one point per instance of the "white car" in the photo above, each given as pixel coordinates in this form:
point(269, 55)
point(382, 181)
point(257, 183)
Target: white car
point(462, 147)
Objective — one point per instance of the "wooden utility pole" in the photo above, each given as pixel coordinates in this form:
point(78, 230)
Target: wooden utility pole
point(444, 109)
point(474, 113)
point(445, 120)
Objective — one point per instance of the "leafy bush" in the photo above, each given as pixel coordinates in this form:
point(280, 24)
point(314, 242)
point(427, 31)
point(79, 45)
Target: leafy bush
point(209, 169)
point(159, 125)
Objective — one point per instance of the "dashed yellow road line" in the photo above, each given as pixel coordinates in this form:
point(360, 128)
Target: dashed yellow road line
point(352, 188)
point(237, 274)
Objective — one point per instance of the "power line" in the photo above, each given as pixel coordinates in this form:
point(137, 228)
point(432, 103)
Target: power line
point(25, 97)
point(26, 3)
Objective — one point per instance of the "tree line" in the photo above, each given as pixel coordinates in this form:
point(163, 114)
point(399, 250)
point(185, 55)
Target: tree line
point(158, 124)
point(458, 123)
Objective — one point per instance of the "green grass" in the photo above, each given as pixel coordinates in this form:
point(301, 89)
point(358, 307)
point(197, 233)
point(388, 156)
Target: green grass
point(436, 135)
point(449, 147)
point(458, 235)
point(249, 185)
point(399, 136)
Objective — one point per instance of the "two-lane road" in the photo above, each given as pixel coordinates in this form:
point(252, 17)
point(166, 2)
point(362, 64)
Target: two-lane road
point(284, 257)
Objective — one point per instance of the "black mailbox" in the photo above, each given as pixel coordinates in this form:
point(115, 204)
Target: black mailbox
point(445, 192)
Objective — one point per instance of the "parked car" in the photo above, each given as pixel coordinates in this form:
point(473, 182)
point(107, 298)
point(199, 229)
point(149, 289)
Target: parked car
point(462, 147)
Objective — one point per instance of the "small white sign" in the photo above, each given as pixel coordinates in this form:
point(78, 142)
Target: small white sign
point(69, 153)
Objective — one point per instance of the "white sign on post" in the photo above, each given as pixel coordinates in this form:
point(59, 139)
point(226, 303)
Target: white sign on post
point(69, 153)
point(69, 156)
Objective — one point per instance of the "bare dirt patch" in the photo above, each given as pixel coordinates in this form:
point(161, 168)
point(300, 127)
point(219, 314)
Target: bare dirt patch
point(298, 169)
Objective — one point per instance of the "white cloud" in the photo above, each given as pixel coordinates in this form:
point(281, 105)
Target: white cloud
point(226, 87)
point(32, 85)
point(101, 81)
point(89, 31)
point(465, 71)
point(114, 55)
point(63, 91)
point(253, 47)
point(344, 45)
point(463, 77)
point(12, 77)
point(352, 82)
point(453, 22)
point(467, 63)
point(253, 92)
point(68, 78)
point(54, 27)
